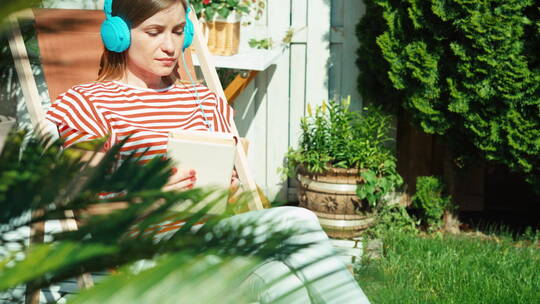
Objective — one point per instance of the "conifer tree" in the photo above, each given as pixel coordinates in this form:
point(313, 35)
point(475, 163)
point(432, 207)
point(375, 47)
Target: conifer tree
point(468, 70)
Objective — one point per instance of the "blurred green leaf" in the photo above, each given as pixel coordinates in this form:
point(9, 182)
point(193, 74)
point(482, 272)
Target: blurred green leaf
point(57, 256)
point(9, 7)
point(177, 279)
point(47, 181)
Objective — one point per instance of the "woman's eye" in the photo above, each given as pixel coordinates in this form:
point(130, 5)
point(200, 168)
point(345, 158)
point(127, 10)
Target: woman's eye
point(152, 34)
point(180, 32)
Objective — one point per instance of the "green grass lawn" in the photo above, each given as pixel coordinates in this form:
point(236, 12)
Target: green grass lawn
point(452, 269)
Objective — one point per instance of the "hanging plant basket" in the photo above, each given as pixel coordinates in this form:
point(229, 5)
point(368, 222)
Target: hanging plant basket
point(223, 34)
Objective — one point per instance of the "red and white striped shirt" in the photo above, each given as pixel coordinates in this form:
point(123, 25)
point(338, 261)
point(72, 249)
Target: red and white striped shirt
point(95, 110)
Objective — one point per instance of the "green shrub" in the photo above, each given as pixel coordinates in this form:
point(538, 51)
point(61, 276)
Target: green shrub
point(379, 182)
point(334, 136)
point(393, 218)
point(468, 70)
point(430, 201)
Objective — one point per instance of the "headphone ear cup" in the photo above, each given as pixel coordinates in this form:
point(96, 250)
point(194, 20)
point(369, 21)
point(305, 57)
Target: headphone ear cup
point(189, 31)
point(115, 34)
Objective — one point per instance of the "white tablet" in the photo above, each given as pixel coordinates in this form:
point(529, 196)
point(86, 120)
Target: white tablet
point(211, 155)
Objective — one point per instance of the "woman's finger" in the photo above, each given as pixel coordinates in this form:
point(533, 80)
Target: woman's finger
point(233, 189)
point(180, 186)
point(180, 175)
point(181, 179)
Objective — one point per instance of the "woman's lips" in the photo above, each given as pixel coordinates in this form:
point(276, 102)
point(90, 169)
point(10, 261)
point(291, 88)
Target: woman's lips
point(167, 61)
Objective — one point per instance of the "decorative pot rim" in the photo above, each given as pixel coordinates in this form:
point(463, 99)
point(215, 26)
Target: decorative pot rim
point(326, 186)
point(301, 169)
point(332, 176)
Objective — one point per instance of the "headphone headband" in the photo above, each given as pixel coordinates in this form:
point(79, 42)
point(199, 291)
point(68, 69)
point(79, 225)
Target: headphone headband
point(116, 34)
point(107, 8)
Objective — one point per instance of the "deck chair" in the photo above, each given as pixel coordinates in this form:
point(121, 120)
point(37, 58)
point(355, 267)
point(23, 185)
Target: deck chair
point(70, 48)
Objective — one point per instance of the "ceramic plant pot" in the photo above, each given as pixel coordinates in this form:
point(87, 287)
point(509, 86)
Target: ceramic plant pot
point(332, 197)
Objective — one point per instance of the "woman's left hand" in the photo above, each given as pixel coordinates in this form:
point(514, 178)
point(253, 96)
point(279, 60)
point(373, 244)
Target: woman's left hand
point(235, 185)
point(181, 180)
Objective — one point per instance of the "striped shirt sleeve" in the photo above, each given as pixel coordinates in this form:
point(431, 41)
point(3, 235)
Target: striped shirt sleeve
point(223, 116)
point(75, 118)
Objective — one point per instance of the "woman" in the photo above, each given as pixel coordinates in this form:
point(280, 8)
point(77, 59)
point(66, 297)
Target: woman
point(138, 94)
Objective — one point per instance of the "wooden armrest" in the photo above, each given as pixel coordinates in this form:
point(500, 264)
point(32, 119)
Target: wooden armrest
point(245, 143)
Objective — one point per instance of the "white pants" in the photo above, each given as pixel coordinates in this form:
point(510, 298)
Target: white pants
point(316, 273)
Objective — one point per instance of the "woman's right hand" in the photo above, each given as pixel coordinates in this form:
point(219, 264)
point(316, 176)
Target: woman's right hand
point(181, 180)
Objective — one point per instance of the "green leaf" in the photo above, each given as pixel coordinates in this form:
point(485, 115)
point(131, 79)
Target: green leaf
point(209, 13)
point(178, 278)
point(232, 3)
point(224, 12)
point(44, 258)
point(369, 176)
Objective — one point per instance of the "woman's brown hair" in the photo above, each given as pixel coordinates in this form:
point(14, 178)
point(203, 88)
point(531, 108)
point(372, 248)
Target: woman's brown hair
point(134, 12)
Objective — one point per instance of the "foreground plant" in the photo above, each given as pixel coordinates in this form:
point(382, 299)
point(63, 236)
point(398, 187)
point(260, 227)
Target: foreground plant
point(9, 7)
point(40, 182)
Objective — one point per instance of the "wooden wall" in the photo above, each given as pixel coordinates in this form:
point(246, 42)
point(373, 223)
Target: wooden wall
point(421, 154)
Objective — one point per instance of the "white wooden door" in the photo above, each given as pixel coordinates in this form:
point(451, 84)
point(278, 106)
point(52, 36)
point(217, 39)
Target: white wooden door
point(318, 64)
point(342, 69)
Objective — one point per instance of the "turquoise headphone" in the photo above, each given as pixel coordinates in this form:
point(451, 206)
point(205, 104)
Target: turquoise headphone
point(116, 35)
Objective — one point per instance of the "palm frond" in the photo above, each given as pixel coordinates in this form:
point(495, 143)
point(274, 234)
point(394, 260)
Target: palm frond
point(11, 6)
point(39, 176)
point(177, 278)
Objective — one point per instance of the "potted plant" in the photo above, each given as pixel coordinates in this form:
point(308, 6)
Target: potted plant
point(344, 166)
point(221, 22)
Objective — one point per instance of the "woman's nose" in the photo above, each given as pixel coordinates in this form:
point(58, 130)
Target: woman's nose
point(168, 44)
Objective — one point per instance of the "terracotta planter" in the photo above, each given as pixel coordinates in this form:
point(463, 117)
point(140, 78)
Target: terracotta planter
point(6, 123)
point(332, 196)
point(223, 35)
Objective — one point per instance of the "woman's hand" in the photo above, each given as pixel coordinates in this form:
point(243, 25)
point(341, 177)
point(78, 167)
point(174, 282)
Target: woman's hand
point(181, 180)
point(235, 185)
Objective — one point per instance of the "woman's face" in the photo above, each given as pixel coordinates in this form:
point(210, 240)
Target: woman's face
point(157, 43)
